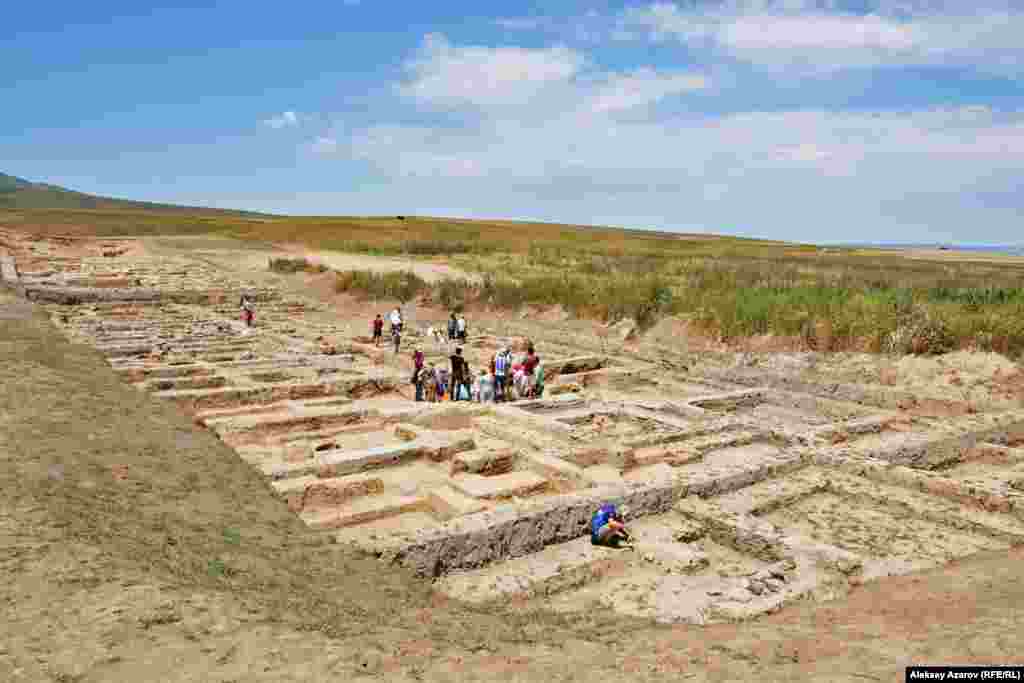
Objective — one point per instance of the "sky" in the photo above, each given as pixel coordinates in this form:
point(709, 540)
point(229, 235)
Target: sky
point(805, 120)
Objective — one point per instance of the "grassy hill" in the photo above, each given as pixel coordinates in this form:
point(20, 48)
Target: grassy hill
point(18, 193)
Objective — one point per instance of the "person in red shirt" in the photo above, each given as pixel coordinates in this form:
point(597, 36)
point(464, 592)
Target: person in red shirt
point(529, 366)
point(378, 330)
point(531, 360)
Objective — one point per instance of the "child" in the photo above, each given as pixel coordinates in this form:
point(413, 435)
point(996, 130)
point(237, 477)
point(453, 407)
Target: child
point(430, 384)
point(485, 388)
point(442, 383)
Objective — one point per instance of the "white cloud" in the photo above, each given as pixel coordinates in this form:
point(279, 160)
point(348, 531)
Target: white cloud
point(640, 88)
point(287, 119)
point(825, 36)
point(324, 144)
point(569, 141)
point(536, 83)
point(921, 143)
point(809, 174)
point(444, 75)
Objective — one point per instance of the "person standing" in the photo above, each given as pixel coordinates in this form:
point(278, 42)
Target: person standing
point(501, 370)
point(417, 372)
point(419, 380)
point(378, 330)
point(430, 384)
point(485, 386)
point(452, 328)
point(529, 371)
point(538, 380)
point(248, 310)
point(459, 371)
point(532, 359)
point(442, 383)
point(461, 328)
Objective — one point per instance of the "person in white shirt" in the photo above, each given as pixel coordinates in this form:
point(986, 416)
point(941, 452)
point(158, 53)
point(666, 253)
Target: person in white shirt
point(461, 326)
point(396, 327)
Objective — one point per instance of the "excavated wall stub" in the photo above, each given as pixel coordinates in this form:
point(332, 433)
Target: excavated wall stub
point(745, 489)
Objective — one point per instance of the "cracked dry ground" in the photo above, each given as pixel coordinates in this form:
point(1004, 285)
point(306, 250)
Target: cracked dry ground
point(136, 545)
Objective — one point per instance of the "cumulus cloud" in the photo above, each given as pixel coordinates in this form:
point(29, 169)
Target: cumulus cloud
point(534, 82)
point(544, 133)
point(934, 147)
point(443, 74)
point(287, 119)
point(828, 35)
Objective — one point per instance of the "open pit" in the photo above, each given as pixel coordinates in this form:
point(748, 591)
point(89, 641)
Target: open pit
point(746, 491)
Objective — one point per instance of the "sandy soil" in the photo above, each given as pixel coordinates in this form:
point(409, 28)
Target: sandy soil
point(247, 259)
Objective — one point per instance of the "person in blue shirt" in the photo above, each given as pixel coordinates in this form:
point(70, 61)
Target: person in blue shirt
point(607, 527)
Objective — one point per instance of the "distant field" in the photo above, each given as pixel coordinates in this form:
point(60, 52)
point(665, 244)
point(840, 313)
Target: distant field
point(834, 298)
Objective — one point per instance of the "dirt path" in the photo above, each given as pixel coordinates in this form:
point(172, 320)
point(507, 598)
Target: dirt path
point(246, 256)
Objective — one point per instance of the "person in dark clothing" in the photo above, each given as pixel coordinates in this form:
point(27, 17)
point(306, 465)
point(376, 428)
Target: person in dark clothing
point(417, 372)
point(378, 330)
point(419, 381)
point(452, 327)
point(530, 364)
point(460, 375)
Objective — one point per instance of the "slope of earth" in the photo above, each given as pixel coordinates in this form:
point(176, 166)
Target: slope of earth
point(18, 193)
point(136, 546)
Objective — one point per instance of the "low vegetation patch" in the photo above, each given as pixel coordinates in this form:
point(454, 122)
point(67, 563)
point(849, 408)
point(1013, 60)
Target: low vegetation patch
point(826, 312)
point(835, 298)
point(296, 265)
point(400, 286)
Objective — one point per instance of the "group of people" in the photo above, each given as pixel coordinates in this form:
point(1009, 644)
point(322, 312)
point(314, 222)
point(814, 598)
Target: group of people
point(505, 378)
point(395, 318)
point(457, 328)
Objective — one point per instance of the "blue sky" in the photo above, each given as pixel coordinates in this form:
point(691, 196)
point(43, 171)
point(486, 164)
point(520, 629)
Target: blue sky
point(807, 120)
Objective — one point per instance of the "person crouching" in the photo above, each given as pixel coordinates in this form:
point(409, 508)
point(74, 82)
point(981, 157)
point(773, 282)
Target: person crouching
point(607, 527)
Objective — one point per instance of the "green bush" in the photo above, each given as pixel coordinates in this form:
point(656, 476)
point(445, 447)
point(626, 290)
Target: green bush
point(402, 286)
point(289, 265)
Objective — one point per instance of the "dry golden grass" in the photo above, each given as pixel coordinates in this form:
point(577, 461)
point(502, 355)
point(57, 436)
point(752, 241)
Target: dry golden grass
point(865, 298)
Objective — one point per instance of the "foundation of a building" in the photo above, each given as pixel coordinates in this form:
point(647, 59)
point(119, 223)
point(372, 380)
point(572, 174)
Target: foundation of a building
point(744, 492)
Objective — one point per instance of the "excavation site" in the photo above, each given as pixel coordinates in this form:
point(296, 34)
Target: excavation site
point(747, 488)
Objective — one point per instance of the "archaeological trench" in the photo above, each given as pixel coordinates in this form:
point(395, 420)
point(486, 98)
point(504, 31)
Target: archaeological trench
point(746, 490)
